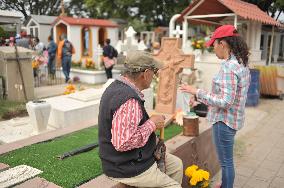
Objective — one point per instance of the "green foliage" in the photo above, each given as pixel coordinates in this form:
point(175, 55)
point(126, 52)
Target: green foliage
point(151, 13)
point(43, 7)
point(4, 33)
point(71, 171)
point(271, 6)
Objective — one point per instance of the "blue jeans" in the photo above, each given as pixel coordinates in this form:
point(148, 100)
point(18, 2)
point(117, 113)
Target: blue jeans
point(223, 137)
point(51, 64)
point(66, 66)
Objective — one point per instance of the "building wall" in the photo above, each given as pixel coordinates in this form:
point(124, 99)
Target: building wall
point(44, 32)
point(113, 35)
point(74, 35)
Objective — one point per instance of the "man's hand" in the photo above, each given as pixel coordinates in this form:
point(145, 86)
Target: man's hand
point(159, 121)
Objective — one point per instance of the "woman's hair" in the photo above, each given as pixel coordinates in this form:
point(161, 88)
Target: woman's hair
point(108, 41)
point(238, 47)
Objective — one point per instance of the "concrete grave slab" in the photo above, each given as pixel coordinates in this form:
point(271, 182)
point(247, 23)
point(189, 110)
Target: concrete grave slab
point(17, 175)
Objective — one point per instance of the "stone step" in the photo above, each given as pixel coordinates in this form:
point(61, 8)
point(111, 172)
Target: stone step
point(37, 182)
point(16, 175)
point(3, 167)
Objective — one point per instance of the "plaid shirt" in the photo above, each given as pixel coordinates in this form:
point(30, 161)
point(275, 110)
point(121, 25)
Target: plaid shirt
point(229, 93)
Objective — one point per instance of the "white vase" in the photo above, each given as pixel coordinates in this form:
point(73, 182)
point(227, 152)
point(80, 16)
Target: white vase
point(197, 54)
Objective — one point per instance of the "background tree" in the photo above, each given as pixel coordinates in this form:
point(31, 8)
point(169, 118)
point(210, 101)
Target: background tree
point(269, 6)
point(147, 12)
point(44, 7)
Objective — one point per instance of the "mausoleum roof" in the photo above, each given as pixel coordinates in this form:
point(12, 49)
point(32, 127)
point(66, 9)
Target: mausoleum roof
point(42, 19)
point(86, 21)
point(243, 9)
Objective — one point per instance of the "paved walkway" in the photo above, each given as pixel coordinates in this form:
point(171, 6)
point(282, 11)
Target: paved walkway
point(259, 149)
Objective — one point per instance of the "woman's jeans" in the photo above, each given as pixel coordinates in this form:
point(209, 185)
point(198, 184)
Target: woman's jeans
point(223, 137)
point(109, 72)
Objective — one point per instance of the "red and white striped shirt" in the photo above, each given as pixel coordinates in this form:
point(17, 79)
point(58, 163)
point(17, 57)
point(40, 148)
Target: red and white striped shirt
point(126, 134)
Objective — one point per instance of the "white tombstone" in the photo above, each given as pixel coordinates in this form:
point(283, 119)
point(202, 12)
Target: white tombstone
point(97, 57)
point(130, 43)
point(39, 114)
point(17, 174)
point(178, 31)
point(118, 46)
point(142, 46)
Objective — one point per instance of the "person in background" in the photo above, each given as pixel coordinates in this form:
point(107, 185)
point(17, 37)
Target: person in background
point(127, 136)
point(65, 51)
point(227, 99)
point(24, 41)
point(11, 41)
point(51, 48)
point(39, 46)
point(109, 58)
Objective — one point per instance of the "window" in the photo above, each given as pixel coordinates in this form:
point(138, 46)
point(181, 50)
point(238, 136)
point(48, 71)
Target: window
point(86, 41)
point(36, 32)
point(31, 32)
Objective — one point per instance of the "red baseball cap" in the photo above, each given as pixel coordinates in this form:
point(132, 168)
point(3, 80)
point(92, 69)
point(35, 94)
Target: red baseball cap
point(222, 31)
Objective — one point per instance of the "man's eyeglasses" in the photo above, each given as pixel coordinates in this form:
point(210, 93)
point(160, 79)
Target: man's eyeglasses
point(155, 70)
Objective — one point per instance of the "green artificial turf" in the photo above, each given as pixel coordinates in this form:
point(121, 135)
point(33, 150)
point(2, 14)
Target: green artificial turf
point(71, 171)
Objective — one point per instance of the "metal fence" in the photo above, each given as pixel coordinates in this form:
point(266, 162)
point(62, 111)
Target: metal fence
point(43, 78)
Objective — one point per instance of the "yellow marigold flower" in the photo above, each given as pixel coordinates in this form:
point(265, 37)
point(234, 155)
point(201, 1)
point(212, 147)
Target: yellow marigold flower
point(190, 170)
point(205, 184)
point(193, 181)
point(198, 175)
point(205, 175)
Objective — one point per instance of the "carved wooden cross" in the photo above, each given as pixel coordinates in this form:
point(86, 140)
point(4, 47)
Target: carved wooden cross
point(174, 59)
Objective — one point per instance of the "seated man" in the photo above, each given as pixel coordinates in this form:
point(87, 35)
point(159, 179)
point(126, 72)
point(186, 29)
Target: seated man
point(126, 132)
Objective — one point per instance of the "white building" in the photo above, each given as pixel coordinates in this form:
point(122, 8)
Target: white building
point(40, 26)
point(246, 17)
point(11, 17)
point(87, 35)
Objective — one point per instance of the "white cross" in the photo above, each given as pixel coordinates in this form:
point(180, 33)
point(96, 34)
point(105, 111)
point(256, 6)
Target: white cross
point(178, 31)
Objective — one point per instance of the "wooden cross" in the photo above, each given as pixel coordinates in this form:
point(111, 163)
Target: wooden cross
point(174, 60)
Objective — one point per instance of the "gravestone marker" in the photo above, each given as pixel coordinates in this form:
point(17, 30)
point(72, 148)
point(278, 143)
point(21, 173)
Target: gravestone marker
point(175, 60)
point(16, 175)
point(131, 43)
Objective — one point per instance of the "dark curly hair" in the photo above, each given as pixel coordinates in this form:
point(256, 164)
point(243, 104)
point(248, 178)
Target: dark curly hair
point(238, 47)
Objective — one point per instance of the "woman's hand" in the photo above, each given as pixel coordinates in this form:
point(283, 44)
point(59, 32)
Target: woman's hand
point(193, 102)
point(188, 89)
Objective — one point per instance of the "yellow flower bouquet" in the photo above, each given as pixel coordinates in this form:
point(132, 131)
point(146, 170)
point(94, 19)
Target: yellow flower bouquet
point(69, 89)
point(197, 177)
point(89, 63)
point(198, 44)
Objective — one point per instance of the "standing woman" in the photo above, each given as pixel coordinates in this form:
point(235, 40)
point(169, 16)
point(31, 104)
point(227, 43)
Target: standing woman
point(228, 96)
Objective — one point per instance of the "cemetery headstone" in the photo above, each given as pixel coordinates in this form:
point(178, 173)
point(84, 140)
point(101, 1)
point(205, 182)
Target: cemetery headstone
point(175, 60)
point(9, 70)
point(16, 175)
